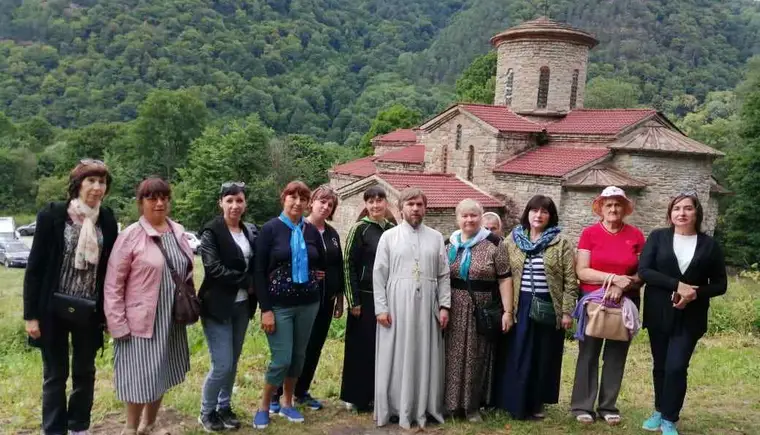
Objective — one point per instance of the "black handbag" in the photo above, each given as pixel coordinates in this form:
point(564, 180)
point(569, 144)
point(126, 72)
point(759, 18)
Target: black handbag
point(74, 309)
point(487, 317)
point(541, 311)
point(187, 307)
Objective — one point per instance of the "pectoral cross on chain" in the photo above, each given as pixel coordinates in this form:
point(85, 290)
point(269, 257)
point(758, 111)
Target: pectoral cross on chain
point(416, 272)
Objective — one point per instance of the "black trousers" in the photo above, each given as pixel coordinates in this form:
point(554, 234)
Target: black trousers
point(671, 353)
point(314, 348)
point(58, 417)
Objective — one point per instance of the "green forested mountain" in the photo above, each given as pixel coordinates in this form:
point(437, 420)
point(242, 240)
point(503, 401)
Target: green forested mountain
point(325, 67)
point(666, 47)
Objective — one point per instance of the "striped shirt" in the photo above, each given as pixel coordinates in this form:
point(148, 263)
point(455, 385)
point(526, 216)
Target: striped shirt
point(534, 275)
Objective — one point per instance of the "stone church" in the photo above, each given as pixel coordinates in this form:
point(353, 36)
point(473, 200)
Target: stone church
point(536, 138)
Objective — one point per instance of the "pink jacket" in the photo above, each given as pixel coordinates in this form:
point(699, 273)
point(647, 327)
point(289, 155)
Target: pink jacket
point(133, 279)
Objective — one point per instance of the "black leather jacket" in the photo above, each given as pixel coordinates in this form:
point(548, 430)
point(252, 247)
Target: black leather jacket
point(226, 270)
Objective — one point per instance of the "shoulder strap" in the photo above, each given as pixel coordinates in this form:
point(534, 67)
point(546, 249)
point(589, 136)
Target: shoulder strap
point(172, 270)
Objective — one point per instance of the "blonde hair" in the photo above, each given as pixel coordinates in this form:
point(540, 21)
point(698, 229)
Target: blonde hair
point(325, 192)
point(469, 205)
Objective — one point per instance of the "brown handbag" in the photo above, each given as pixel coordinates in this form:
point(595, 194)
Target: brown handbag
point(187, 308)
point(605, 322)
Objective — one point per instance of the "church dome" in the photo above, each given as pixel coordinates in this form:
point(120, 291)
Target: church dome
point(545, 28)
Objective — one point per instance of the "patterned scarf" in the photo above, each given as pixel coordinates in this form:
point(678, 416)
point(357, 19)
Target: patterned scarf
point(522, 239)
point(298, 255)
point(88, 250)
point(456, 245)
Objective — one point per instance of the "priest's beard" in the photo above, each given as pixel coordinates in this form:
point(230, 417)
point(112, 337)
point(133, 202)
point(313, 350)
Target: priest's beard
point(414, 219)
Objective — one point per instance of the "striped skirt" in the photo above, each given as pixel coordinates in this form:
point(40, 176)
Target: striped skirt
point(145, 368)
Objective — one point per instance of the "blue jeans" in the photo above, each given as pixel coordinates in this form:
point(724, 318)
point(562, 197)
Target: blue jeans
point(292, 330)
point(225, 343)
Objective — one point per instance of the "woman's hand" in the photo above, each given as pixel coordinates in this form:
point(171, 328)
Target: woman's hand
point(622, 281)
point(33, 328)
point(507, 321)
point(338, 312)
point(384, 319)
point(320, 274)
point(356, 311)
point(687, 292)
point(614, 293)
point(267, 322)
point(567, 322)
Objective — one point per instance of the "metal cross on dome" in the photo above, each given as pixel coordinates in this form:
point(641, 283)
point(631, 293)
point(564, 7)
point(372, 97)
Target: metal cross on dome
point(546, 8)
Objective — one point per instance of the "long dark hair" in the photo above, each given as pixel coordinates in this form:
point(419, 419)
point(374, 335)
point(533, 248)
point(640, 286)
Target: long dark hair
point(697, 206)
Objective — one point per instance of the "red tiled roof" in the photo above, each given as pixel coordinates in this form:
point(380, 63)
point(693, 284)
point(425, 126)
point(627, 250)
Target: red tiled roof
point(598, 121)
point(410, 154)
point(363, 167)
point(400, 135)
point(653, 136)
point(442, 190)
point(501, 118)
point(551, 160)
point(601, 176)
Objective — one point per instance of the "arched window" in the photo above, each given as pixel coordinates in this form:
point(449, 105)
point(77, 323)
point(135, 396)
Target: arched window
point(470, 163)
point(543, 88)
point(458, 144)
point(574, 90)
point(508, 87)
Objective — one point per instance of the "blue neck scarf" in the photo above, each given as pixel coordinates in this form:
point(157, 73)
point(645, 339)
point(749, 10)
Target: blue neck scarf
point(529, 247)
point(456, 245)
point(298, 255)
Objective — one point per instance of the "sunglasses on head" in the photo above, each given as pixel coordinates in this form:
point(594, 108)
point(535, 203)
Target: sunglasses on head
point(230, 184)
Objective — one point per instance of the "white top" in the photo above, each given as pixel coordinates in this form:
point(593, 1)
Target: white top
point(684, 247)
point(245, 246)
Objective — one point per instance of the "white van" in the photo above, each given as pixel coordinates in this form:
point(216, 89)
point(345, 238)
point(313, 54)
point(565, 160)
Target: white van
point(8, 228)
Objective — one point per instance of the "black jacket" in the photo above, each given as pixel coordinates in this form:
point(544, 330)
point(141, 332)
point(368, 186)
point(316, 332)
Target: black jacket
point(43, 269)
point(273, 251)
point(226, 270)
point(334, 278)
point(658, 267)
point(361, 246)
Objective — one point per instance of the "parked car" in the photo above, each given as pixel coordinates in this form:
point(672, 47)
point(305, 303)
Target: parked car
point(13, 253)
point(8, 228)
point(193, 241)
point(27, 230)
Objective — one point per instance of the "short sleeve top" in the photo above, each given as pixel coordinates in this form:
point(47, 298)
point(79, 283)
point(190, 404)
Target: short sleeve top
point(616, 253)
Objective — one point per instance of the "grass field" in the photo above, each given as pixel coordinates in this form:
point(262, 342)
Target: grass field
point(723, 397)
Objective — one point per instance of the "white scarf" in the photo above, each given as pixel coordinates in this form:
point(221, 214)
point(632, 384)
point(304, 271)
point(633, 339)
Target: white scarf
point(88, 250)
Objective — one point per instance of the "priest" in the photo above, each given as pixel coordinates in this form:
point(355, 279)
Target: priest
point(412, 301)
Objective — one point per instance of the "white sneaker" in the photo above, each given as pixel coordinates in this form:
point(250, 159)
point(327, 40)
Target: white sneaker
point(474, 417)
point(349, 406)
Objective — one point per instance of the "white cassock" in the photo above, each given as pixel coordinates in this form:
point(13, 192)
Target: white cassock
point(411, 282)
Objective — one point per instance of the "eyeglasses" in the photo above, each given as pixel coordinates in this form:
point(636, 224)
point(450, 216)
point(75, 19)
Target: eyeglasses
point(230, 184)
point(92, 162)
point(688, 192)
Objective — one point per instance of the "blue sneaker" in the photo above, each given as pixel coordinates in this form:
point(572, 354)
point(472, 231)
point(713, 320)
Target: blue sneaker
point(292, 415)
point(309, 402)
point(652, 424)
point(668, 428)
point(274, 407)
point(261, 420)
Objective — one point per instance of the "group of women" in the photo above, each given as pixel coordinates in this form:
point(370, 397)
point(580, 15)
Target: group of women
point(83, 277)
